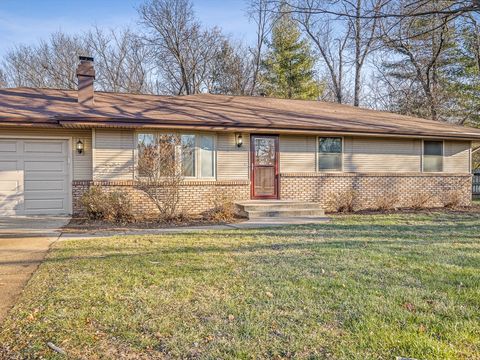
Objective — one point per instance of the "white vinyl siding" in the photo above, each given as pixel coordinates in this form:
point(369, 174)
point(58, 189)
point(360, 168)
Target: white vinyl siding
point(457, 157)
point(113, 157)
point(382, 155)
point(297, 153)
point(232, 161)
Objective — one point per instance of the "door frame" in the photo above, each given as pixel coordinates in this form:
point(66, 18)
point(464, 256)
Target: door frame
point(276, 167)
point(69, 140)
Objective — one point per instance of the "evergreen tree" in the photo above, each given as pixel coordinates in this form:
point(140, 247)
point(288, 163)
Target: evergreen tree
point(288, 66)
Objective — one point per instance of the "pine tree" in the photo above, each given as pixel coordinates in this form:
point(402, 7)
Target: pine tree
point(288, 67)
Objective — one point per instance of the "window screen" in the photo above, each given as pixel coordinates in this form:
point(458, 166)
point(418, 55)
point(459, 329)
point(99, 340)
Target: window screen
point(330, 154)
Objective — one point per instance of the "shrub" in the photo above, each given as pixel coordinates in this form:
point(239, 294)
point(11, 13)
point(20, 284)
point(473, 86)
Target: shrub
point(343, 201)
point(452, 199)
point(421, 200)
point(109, 206)
point(223, 209)
point(387, 201)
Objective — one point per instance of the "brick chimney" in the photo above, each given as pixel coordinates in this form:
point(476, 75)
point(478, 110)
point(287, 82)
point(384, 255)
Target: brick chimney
point(85, 75)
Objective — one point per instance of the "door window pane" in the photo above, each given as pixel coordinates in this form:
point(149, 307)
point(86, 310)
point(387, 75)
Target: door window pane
point(188, 155)
point(265, 152)
point(206, 156)
point(432, 156)
point(330, 154)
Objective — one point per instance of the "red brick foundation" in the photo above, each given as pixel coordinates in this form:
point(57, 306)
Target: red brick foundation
point(195, 196)
point(371, 190)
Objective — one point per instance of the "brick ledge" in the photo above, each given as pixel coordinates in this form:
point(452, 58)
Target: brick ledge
point(344, 174)
point(185, 183)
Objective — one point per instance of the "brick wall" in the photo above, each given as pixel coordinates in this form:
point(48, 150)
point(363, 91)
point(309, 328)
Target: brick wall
point(401, 190)
point(195, 196)
point(370, 190)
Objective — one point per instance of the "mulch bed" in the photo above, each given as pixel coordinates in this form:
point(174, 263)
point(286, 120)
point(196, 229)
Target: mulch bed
point(85, 225)
point(474, 209)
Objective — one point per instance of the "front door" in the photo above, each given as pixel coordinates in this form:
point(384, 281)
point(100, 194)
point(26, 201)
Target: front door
point(264, 160)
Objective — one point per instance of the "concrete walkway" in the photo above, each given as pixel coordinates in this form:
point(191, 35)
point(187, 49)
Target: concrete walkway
point(24, 242)
point(258, 223)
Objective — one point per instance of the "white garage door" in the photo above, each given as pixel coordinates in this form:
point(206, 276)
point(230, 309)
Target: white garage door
point(34, 177)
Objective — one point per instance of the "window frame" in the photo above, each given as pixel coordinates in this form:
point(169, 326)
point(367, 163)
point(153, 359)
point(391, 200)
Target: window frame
point(318, 154)
point(178, 154)
point(423, 156)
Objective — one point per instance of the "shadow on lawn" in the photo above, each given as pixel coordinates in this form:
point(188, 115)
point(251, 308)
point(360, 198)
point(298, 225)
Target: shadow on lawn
point(401, 237)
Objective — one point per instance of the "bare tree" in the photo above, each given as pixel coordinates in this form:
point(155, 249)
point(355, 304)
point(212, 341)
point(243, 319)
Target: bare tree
point(3, 79)
point(51, 63)
point(331, 45)
point(122, 61)
point(364, 35)
point(159, 172)
point(262, 13)
point(231, 70)
point(421, 55)
point(183, 49)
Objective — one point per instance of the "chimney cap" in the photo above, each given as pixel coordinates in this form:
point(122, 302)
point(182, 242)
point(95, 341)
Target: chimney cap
point(85, 58)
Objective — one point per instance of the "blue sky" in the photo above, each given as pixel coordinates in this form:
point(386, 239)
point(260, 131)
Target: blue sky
point(27, 21)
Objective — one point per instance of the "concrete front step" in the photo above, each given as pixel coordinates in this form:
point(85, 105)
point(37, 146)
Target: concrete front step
point(285, 213)
point(255, 209)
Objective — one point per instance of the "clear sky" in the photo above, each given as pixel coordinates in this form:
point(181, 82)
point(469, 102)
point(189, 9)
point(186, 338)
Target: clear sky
point(27, 21)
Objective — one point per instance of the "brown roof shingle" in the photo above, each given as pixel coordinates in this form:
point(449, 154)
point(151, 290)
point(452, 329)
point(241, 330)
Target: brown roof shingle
point(52, 107)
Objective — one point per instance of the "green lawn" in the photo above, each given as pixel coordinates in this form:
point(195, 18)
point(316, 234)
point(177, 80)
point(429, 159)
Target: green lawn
point(360, 287)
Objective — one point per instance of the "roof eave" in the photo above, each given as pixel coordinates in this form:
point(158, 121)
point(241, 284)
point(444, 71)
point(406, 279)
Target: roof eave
point(222, 128)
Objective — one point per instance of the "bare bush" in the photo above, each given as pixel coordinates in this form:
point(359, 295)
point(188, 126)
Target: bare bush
point(452, 199)
point(108, 206)
point(421, 200)
point(386, 201)
point(345, 201)
point(159, 174)
point(223, 208)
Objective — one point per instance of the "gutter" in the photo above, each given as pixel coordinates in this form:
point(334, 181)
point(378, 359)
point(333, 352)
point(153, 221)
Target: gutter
point(119, 124)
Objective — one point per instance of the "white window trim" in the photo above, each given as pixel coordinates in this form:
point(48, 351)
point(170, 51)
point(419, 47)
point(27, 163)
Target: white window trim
point(423, 157)
point(197, 151)
point(317, 154)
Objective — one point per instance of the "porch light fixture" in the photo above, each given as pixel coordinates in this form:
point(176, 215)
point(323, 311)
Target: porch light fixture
point(239, 139)
point(80, 147)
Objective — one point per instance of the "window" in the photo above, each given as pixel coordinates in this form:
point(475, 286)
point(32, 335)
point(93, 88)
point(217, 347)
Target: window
point(188, 155)
point(433, 156)
point(192, 154)
point(147, 150)
point(330, 154)
point(207, 160)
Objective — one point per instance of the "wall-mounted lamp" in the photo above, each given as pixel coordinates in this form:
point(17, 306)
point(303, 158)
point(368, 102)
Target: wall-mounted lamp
point(80, 147)
point(238, 139)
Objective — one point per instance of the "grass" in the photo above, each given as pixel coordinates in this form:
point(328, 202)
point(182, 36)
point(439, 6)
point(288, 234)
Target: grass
point(360, 287)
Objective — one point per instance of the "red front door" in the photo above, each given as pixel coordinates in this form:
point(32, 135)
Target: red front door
point(264, 163)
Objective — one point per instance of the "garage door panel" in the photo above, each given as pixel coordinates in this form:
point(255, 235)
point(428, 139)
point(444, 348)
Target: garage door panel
point(8, 187)
point(8, 166)
point(45, 185)
point(45, 166)
point(8, 146)
point(45, 206)
point(44, 147)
